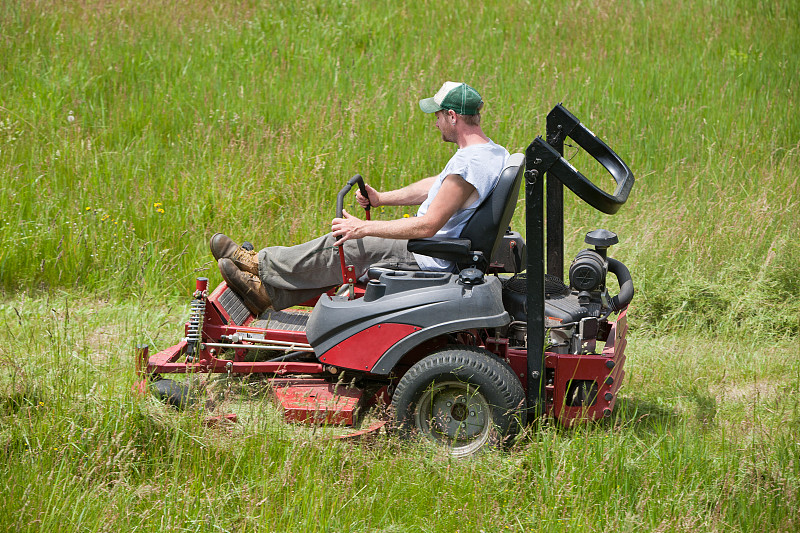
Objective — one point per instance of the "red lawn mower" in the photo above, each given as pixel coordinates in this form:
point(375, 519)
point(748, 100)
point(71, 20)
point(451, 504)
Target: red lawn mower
point(464, 359)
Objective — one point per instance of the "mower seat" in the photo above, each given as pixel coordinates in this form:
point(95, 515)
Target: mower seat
point(481, 237)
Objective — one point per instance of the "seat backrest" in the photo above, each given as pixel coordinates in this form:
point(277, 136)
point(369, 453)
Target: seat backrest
point(488, 224)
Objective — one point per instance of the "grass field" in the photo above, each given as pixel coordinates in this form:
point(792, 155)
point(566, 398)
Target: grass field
point(130, 132)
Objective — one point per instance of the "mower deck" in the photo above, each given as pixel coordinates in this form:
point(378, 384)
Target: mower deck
point(316, 401)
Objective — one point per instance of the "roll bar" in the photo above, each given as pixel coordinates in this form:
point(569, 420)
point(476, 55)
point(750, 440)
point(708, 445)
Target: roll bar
point(564, 124)
point(547, 157)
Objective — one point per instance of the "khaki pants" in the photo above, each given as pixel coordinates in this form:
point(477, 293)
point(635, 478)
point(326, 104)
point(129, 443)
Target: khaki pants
point(295, 274)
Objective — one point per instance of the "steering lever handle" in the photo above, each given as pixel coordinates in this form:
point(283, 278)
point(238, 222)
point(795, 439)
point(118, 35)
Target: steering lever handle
point(357, 179)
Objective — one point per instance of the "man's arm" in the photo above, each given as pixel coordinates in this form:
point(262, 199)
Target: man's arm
point(413, 194)
point(454, 194)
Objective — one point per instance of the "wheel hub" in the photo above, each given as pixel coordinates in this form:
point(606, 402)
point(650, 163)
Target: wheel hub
point(455, 414)
point(459, 411)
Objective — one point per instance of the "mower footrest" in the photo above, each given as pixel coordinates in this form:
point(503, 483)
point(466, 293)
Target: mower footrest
point(318, 402)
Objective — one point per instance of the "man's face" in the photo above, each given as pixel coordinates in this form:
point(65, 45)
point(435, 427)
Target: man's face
point(444, 121)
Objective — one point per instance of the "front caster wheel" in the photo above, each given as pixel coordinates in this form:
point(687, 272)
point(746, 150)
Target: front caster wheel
point(173, 393)
point(462, 398)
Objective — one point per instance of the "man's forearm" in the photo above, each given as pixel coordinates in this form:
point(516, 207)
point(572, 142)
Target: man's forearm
point(403, 228)
point(413, 194)
point(452, 196)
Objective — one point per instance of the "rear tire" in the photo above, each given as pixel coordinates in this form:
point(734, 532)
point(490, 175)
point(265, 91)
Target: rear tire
point(462, 398)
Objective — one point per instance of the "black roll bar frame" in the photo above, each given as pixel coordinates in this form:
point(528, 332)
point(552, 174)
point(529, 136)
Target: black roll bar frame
point(546, 157)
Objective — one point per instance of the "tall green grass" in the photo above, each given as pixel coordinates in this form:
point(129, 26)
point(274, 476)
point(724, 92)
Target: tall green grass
point(132, 131)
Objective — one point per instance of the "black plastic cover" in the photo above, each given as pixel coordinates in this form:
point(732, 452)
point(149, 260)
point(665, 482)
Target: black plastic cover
point(602, 238)
point(436, 302)
point(567, 309)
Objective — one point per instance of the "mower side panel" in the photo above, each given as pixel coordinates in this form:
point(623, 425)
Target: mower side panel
point(430, 306)
point(359, 350)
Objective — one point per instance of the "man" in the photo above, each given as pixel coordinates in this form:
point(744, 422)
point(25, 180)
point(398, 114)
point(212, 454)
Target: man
point(280, 277)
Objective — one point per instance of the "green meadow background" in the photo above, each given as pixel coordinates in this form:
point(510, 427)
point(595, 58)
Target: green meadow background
point(130, 132)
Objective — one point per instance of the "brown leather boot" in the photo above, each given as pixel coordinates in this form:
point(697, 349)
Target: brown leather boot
point(246, 285)
point(222, 246)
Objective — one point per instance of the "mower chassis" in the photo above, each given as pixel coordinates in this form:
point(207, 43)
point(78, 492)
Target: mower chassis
point(563, 372)
point(310, 392)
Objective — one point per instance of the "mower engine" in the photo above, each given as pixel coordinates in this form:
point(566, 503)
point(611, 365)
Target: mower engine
point(576, 316)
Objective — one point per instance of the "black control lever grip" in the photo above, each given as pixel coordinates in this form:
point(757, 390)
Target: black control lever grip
point(346, 189)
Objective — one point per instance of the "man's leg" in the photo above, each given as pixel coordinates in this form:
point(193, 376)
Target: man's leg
point(295, 274)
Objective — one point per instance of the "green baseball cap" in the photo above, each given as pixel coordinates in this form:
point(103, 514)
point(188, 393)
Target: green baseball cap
point(459, 97)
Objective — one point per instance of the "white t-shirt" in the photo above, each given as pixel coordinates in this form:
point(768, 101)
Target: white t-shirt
point(480, 165)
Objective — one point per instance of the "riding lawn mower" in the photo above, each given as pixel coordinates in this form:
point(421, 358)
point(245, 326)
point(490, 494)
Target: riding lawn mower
point(464, 359)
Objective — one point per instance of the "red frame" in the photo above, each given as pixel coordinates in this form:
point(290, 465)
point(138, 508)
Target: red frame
point(311, 399)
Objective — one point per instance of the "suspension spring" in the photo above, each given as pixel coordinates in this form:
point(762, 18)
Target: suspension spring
point(195, 325)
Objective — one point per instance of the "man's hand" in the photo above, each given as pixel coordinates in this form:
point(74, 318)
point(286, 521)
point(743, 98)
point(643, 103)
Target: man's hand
point(374, 197)
point(346, 228)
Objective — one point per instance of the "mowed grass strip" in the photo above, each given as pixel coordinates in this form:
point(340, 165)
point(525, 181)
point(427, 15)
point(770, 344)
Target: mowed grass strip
point(704, 438)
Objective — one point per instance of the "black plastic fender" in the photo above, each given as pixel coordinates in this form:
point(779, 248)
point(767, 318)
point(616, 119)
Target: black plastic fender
point(436, 303)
